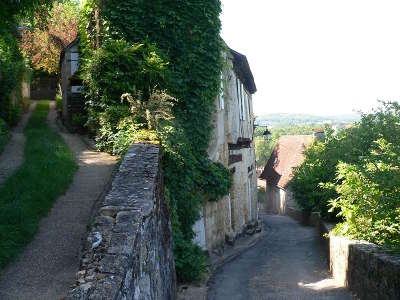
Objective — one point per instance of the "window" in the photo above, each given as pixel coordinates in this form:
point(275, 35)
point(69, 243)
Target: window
point(249, 106)
point(74, 62)
point(239, 96)
point(242, 96)
point(238, 89)
point(221, 94)
point(250, 199)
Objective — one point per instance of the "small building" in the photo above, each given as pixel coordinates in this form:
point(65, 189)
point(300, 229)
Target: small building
point(319, 134)
point(232, 145)
point(44, 86)
point(288, 154)
point(71, 84)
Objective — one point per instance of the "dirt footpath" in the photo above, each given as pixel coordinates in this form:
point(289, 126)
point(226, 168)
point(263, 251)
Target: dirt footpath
point(13, 155)
point(47, 267)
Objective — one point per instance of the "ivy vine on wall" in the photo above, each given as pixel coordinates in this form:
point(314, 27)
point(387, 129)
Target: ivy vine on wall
point(186, 35)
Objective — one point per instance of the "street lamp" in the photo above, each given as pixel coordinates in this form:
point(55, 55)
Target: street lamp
point(267, 134)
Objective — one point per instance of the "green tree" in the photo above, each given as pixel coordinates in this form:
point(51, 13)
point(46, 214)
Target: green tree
point(368, 187)
point(44, 41)
point(12, 64)
point(12, 12)
point(263, 151)
point(11, 74)
point(353, 177)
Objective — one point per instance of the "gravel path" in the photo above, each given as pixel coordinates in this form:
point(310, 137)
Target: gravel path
point(288, 264)
point(13, 154)
point(47, 267)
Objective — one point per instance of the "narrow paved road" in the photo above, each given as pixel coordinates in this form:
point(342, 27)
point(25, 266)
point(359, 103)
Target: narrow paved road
point(288, 264)
point(48, 265)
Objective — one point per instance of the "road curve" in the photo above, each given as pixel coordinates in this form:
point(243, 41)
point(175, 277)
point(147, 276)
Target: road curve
point(288, 264)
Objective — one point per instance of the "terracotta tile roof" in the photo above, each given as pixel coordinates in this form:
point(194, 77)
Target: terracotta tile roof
point(287, 154)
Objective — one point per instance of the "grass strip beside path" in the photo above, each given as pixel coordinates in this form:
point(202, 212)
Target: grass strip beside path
point(28, 195)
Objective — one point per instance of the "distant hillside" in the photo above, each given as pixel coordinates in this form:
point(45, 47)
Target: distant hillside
point(283, 120)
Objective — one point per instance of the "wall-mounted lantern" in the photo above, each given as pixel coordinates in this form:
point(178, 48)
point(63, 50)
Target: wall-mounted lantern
point(267, 134)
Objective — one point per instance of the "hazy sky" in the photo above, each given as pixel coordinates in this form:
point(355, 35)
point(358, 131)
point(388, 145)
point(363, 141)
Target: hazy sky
point(317, 56)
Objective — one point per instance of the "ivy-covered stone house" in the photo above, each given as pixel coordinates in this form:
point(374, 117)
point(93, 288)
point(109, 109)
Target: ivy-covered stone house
point(232, 144)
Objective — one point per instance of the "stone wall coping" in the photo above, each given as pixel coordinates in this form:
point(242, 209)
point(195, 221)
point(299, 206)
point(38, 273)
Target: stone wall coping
point(370, 248)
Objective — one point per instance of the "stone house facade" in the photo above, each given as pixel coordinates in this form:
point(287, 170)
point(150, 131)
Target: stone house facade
point(288, 154)
point(232, 145)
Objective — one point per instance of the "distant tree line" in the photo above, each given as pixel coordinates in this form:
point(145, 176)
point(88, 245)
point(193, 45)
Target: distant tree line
point(290, 120)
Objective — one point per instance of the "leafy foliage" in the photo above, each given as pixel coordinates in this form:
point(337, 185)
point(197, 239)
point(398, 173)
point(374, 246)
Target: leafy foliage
point(4, 134)
point(355, 175)
point(318, 167)
point(119, 67)
point(43, 42)
point(11, 72)
point(59, 101)
point(119, 80)
point(186, 34)
point(157, 108)
point(13, 11)
point(11, 60)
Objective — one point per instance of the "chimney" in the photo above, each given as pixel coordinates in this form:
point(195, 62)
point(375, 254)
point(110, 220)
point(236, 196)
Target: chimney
point(318, 134)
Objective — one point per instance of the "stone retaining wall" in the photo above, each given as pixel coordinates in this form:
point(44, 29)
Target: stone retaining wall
point(366, 269)
point(129, 250)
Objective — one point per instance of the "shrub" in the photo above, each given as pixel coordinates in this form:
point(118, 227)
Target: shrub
point(191, 263)
point(319, 167)
point(11, 71)
point(78, 120)
point(59, 105)
point(118, 68)
point(4, 134)
point(369, 188)
point(26, 103)
point(356, 176)
point(122, 69)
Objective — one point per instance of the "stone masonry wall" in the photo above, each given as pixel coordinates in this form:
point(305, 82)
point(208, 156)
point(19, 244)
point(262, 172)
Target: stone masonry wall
point(129, 250)
point(365, 268)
